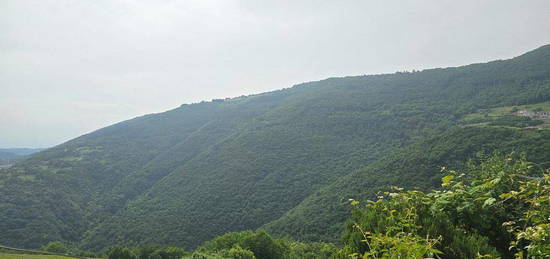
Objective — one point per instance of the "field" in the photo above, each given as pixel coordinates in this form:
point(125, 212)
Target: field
point(504, 116)
point(32, 256)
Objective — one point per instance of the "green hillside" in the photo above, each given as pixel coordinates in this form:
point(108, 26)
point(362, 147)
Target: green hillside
point(322, 215)
point(187, 175)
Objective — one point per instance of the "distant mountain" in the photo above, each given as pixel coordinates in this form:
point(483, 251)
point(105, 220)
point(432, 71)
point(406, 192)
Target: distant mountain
point(11, 155)
point(21, 151)
point(270, 160)
point(7, 155)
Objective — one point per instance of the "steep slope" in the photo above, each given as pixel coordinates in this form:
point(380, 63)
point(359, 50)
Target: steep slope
point(187, 175)
point(321, 216)
point(59, 193)
point(324, 130)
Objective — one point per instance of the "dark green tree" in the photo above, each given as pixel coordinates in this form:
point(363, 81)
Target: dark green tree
point(118, 252)
point(238, 252)
point(55, 247)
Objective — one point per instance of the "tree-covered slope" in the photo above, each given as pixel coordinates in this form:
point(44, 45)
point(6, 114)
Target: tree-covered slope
point(189, 174)
point(60, 193)
point(323, 130)
point(321, 216)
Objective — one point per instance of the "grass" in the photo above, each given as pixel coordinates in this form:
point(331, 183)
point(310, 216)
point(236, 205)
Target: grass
point(482, 118)
point(543, 106)
point(501, 111)
point(505, 110)
point(32, 256)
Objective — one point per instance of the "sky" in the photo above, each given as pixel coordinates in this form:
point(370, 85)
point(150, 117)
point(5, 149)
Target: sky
point(70, 67)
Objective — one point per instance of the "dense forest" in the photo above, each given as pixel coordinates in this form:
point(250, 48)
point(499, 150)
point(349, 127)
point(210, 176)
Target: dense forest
point(234, 178)
point(497, 206)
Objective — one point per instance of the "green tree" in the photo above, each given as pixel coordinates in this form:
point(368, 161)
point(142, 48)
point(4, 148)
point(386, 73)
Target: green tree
point(238, 252)
point(55, 247)
point(260, 243)
point(144, 251)
point(118, 252)
point(168, 253)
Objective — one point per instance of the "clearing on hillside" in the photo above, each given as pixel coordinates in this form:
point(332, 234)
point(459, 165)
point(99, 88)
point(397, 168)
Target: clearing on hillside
point(532, 116)
point(32, 256)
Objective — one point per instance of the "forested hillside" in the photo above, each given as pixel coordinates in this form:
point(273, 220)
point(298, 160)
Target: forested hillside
point(322, 215)
point(287, 160)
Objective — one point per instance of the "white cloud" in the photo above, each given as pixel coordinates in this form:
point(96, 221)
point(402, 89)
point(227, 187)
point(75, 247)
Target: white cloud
point(69, 67)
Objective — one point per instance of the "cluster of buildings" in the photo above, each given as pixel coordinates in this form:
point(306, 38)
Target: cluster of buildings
point(541, 115)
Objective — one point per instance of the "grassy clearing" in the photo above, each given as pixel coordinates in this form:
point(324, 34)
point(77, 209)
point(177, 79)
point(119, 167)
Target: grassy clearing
point(486, 117)
point(507, 110)
point(32, 256)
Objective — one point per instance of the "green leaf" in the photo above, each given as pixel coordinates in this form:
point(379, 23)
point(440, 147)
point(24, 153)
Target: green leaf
point(489, 202)
point(446, 180)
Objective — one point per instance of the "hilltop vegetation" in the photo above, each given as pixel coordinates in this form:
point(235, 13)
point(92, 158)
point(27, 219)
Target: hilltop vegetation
point(286, 161)
point(496, 207)
point(322, 215)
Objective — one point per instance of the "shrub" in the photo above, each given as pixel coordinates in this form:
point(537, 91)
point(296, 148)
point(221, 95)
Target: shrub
point(118, 252)
point(497, 208)
point(238, 252)
point(55, 247)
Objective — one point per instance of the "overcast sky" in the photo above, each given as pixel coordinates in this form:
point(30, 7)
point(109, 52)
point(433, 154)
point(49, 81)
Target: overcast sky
point(70, 67)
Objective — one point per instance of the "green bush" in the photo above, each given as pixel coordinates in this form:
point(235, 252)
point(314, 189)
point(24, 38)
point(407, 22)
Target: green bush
point(495, 209)
point(260, 243)
point(118, 252)
point(168, 253)
point(55, 247)
point(238, 252)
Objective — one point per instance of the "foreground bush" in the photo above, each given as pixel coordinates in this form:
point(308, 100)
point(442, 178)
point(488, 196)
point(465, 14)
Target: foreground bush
point(499, 208)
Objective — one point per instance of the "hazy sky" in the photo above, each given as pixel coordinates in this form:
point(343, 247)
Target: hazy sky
point(70, 67)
